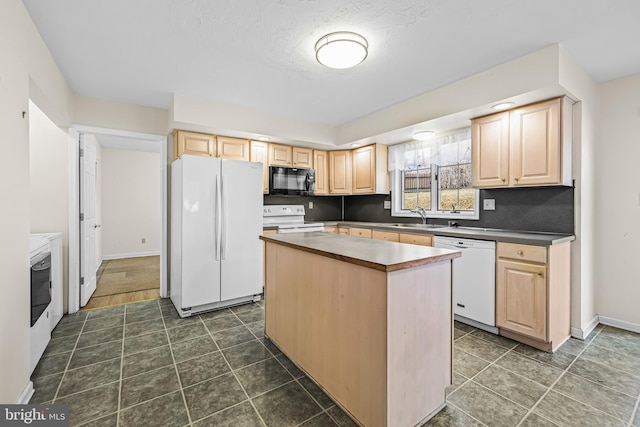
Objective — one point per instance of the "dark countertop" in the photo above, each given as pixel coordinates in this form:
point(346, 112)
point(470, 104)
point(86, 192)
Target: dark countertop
point(497, 235)
point(377, 254)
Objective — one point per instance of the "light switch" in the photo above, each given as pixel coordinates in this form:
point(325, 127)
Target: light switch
point(489, 204)
point(387, 204)
point(310, 205)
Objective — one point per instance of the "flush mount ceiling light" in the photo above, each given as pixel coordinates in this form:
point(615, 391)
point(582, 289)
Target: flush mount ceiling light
point(342, 49)
point(502, 106)
point(356, 145)
point(263, 138)
point(423, 135)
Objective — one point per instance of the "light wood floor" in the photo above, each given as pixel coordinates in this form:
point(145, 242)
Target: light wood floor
point(126, 298)
point(144, 267)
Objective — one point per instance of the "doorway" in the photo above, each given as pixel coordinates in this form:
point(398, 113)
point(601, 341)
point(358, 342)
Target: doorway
point(123, 244)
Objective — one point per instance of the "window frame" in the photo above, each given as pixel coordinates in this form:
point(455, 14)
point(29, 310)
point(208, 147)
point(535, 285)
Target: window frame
point(433, 212)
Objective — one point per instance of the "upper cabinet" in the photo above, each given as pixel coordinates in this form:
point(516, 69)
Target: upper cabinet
point(321, 166)
point(340, 172)
point(280, 155)
point(370, 174)
point(198, 144)
point(490, 150)
point(527, 146)
point(233, 148)
point(259, 152)
point(302, 157)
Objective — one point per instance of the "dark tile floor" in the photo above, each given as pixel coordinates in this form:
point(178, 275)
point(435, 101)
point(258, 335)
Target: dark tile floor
point(141, 365)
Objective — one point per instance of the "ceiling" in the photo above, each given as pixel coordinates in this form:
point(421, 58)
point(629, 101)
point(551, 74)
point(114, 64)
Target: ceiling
point(118, 142)
point(260, 54)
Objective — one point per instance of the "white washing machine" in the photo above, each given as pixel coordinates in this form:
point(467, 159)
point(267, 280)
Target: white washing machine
point(40, 331)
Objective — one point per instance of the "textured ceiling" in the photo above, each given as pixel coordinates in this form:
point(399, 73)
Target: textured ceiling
point(259, 53)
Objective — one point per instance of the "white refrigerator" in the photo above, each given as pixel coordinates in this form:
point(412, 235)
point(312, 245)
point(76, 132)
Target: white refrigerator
point(216, 221)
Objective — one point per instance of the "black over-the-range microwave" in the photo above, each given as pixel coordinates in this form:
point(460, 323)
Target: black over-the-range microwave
point(287, 181)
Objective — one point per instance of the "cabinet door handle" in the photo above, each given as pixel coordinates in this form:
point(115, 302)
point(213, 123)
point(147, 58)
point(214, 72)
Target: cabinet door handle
point(516, 179)
point(539, 274)
point(520, 253)
point(503, 179)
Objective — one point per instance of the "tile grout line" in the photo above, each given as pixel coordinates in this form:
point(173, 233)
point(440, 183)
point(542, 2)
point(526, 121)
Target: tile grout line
point(233, 372)
point(464, 412)
point(124, 325)
point(634, 412)
point(175, 367)
point(66, 368)
point(535, 405)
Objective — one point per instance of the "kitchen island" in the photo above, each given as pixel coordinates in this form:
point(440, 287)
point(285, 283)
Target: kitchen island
point(369, 321)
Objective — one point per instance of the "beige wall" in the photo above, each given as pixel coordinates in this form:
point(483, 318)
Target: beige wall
point(131, 197)
point(49, 182)
point(617, 177)
point(27, 67)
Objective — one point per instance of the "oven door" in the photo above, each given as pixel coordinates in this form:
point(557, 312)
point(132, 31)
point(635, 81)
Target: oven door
point(40, 285)
point(291, 181)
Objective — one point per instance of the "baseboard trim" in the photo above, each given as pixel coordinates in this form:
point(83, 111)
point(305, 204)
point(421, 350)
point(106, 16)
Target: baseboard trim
point(133, 255)
point(581, 334)
point(26, 394)
point(622, 324)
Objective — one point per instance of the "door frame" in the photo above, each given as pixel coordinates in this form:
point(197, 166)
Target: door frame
point(74, 206)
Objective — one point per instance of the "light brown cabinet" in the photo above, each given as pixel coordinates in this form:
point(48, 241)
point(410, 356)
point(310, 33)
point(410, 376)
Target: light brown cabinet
point(385, 235)
point(343, 231)
point(416, 239)
point(280, 155)
point(321, 166)
point(194, 143)
point(370, 170)
point(340, 172)
point(532, 294)
point(526, 146)
point(365, 233)
point(233, 148)
point(302, 157)
point(259, 152)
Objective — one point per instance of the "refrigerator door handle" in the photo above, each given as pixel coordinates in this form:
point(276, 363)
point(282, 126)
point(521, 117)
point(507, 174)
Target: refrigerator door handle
point(218, 218)
point(223, 215)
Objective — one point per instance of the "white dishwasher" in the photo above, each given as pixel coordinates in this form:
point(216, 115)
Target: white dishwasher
point(474, 281)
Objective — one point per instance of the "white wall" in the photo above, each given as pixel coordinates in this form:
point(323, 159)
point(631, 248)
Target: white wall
point(131, 197)
point(49, 181)
point(25, 66)
point(618, 201)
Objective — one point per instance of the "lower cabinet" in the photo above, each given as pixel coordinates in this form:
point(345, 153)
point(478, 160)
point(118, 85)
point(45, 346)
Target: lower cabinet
point(532, 294)
point(416, 239)
point(365, 233)
point(385, 235)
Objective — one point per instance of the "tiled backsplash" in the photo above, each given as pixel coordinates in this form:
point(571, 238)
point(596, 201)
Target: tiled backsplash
point(549, 209)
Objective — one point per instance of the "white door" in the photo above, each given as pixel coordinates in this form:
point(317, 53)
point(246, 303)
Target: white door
point(241, 248)
point(87, 220)
point(200, 230)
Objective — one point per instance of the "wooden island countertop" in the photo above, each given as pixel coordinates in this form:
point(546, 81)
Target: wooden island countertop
point(369, 321)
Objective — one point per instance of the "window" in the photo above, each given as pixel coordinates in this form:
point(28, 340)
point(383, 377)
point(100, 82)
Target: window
point(434, 175)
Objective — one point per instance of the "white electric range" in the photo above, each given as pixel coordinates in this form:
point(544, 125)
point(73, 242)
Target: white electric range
point(288, 219)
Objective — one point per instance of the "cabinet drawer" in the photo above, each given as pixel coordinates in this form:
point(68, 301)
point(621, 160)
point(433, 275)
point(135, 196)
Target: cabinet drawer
point(343, 230)
point(417, 239)
point(523, 252)
point(360, 232)
point(267, 232)
point(386, 235)
point(331, 229)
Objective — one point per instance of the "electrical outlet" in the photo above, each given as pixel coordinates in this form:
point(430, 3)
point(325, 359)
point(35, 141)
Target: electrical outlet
point(310, 205)
point(144, 240)
point(489, 204)
point(387, 204)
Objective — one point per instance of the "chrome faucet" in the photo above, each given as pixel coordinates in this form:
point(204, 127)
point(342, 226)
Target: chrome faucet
point(422, 212)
